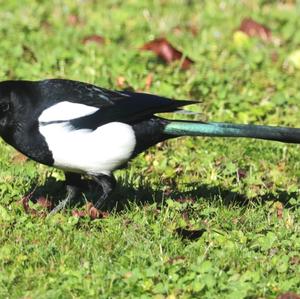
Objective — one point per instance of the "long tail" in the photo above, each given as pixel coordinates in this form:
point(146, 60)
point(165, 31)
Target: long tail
point(190, 128)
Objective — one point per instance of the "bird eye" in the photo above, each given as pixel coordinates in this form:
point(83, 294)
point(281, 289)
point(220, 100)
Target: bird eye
point(4, 107)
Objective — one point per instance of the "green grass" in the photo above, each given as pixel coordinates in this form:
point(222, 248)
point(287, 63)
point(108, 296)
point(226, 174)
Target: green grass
point(246, 251)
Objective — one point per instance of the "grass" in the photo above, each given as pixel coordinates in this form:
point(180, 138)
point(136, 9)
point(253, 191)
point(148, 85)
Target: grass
point(243, 193)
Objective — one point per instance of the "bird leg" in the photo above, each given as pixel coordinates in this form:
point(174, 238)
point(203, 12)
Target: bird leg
point(107, 184)
point(73, 184)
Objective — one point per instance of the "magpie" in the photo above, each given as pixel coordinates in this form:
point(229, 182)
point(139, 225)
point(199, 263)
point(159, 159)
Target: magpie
point(87, 130)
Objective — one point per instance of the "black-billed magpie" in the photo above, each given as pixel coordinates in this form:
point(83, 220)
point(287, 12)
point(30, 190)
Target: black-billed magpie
point(84, 129)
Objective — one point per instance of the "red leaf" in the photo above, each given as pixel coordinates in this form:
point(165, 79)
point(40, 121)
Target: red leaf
point(241, 173)
point(289, 295)
point(253, 28)
point(28, 210)
point(98, 39)
point(79, 214)
point(90, 211)
point(45, 203)
point(163, 49)
point(94, 213)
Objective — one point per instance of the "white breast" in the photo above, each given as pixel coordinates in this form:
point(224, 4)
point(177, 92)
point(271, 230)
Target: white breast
point(85, 151)
point(91, 152)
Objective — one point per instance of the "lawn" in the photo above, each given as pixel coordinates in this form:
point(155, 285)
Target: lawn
point(192, 217)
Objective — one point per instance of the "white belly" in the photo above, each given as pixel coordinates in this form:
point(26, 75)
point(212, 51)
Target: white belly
point(85, 151)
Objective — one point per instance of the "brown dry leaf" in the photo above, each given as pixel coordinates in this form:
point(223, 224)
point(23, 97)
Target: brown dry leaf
point(253, 28)
point(45, 203)
point(94, 38)
point(163, 49)
point(289, 295)
point(79, 214)
point(94, 213)
point(90, 211)
point(279, 209)
point(19, 158)
point(281, 166)
point(149, 80)
point(295, 260)
point(25, 203)
point(121, 82)
point(28, 210)
point(241, 173)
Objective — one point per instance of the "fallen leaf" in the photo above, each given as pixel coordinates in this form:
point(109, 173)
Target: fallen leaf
point(241, 173)
point(190, 234)
point(281, 166)
point(279, 209)
point(79, 214)
point(93, 212)
point(255, 29)
point(45, 203)
point(98, 39)
point(19, 158)
point(121, 82)
point(149, 80)
point(28, 210)
point(90, 211)
point(164, 50)
point(295, 260)
point(289, 295)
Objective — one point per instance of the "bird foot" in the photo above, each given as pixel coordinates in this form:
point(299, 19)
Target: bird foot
point(72, 193)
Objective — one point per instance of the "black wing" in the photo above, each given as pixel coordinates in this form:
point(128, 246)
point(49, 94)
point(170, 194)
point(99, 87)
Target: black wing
point(128, 107)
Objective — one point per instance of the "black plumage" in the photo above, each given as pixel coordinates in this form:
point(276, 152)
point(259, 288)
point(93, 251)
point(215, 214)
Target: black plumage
point(85, 129)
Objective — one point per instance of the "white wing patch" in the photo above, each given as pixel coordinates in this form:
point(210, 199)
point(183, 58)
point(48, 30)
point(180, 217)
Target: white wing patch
point(85, 151)
point(64, 111)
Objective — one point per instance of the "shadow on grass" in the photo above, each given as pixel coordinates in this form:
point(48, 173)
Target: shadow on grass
point(126, 193)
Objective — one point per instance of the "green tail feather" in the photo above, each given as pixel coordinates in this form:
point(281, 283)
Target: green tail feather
point(186, 128)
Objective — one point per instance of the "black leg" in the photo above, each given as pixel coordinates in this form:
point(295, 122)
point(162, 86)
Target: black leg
point(73, 186)
point(107, 184)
